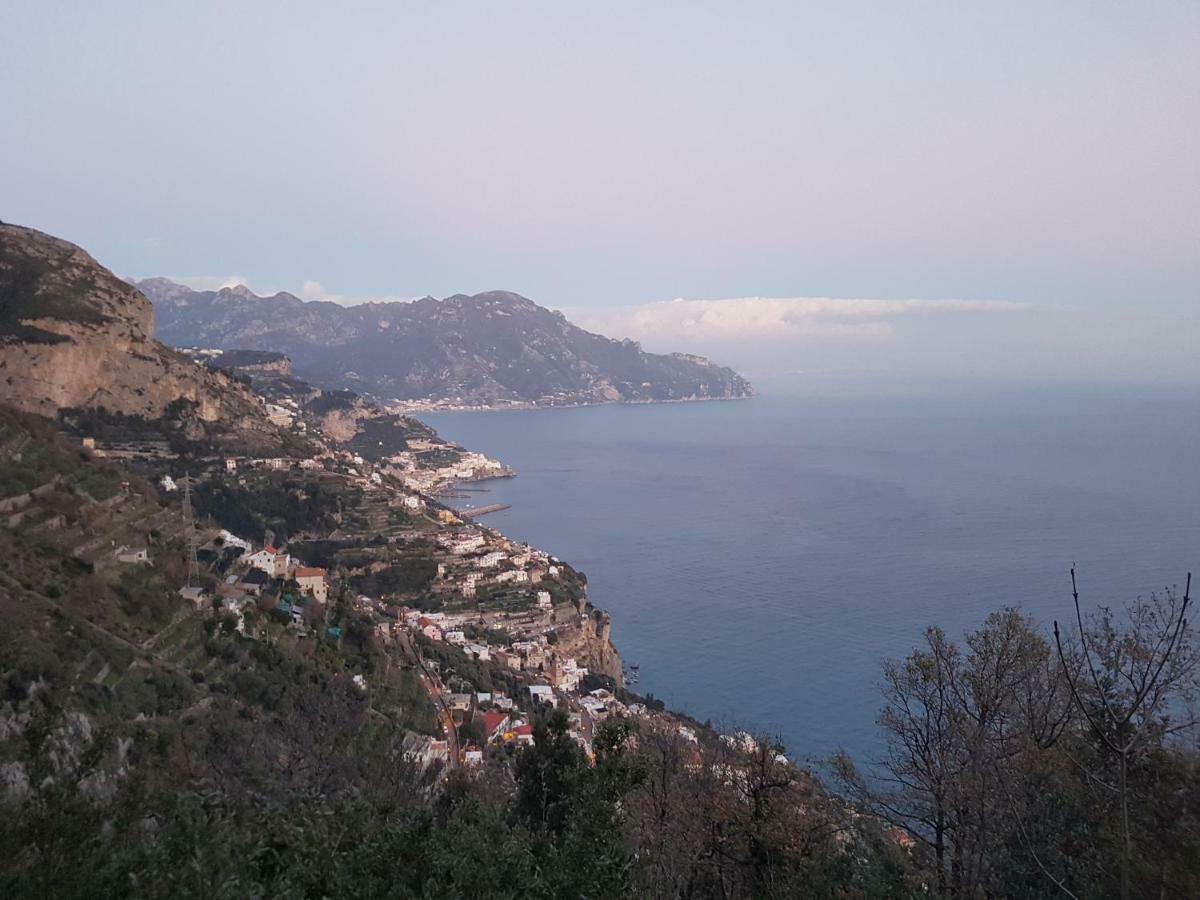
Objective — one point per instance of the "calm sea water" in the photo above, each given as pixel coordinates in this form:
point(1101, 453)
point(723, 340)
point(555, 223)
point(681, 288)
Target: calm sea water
point(761, 558)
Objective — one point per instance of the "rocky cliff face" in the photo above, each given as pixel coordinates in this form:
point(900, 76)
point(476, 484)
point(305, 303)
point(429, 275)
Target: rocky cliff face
point(481, 349)
point(253, 363)
point(74, 336)
point(591, 643)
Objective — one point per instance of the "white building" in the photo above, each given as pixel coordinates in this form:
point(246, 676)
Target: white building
point(490, 560)
point(542, 693)
point(136, 555)
point(424, 750)
point(566, 677)
point(594, 706)
point(478, 651)
point(464, 542)
point(274, 562)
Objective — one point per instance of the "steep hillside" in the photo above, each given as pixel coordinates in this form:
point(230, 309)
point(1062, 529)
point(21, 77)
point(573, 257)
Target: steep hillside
point(482, 349)
point(73, 336)
point(247, 736)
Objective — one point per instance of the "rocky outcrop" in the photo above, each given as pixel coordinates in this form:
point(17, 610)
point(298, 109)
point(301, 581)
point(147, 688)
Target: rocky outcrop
point(590, 642)
point(253, 362)
point(495, 347)
point(340, 414)
point(74, 336)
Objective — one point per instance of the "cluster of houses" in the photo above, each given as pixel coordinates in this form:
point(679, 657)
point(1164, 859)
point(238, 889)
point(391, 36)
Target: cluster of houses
point(468, 466)
point(485, 723)
point(265, 578)
point(554, 681)
point(279, 565)
point(478, 558)
point(499, 721)
point(470, 559)
point(533, 656)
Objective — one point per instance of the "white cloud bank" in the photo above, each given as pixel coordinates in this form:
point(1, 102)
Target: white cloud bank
point(766, 318)
point(900, 339)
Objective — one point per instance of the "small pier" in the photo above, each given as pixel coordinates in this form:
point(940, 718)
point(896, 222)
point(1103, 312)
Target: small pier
point(476, 511)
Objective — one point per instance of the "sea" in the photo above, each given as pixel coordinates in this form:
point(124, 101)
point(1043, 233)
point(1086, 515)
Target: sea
point(762, 558)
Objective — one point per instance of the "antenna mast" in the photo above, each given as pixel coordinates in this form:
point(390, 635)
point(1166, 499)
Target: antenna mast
point(189, 533)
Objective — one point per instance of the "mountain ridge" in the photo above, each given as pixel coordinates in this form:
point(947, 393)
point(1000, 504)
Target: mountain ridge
point(495, 347)
point(76, 338)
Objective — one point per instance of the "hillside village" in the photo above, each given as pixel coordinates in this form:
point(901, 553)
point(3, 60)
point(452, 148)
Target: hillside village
point(495, 601)
point(308, 549)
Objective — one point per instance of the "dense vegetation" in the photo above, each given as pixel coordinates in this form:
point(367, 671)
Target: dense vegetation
point(382, 436)
point(562, 828)
point(409, 577)
point(32, 455)
point(284, 507)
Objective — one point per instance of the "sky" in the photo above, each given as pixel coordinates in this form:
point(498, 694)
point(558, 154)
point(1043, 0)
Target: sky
point(875, 188)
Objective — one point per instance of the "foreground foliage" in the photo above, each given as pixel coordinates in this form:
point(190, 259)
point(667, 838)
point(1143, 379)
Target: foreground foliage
point(627, 825)
point(1029, 769)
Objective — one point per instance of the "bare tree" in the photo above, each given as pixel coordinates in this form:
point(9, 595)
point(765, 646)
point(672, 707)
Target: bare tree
point(1135, 674)
point(959, 727)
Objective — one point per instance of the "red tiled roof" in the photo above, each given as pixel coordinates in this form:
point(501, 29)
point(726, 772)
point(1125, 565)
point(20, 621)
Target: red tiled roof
point(492, 722)
point(308, 572)
point(521, 730)
point(270, 550)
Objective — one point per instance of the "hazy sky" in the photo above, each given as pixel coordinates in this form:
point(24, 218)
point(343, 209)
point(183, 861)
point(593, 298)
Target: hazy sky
point(598, 157)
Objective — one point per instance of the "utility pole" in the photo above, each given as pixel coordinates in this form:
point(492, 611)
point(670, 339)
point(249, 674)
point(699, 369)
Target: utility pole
point(189, 533)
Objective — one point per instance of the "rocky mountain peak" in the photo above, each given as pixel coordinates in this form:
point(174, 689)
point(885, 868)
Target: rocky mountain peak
point(74, 336)
point(50, 289)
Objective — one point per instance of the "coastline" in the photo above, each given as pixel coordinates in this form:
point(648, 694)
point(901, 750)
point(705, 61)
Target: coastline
point(418, 409)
